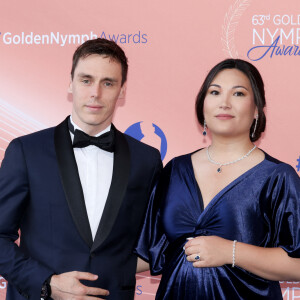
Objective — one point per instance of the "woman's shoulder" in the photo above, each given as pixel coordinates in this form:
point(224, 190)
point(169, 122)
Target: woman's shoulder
point(181, 160)
point(277, 167)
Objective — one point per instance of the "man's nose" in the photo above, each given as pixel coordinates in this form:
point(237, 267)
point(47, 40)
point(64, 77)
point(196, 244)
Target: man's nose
point(96, 91)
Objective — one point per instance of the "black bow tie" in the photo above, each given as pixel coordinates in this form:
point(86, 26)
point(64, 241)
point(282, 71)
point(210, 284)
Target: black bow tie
point(105, 141)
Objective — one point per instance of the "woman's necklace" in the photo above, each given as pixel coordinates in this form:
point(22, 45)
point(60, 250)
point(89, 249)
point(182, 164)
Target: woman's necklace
point(219, 170)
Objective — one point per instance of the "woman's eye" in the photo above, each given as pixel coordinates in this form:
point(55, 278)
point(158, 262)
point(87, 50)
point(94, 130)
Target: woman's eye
point(214, 92)
point(239, 94)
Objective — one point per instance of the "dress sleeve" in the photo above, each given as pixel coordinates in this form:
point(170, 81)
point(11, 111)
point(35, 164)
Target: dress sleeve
point(284, 193)
point(152, 243)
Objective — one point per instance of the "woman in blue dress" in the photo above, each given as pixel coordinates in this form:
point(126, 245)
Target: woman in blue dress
point(224, 221)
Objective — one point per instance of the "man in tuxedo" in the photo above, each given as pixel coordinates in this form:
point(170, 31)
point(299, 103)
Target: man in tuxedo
point(78, 193)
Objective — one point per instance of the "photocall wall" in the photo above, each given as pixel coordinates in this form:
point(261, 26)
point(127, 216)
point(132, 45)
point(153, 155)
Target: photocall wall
point(171, 45)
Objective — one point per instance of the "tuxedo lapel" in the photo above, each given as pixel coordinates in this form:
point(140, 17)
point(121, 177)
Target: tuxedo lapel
point(120, 177)
point(71, 181)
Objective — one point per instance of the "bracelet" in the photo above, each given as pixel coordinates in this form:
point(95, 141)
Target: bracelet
point(233, 253)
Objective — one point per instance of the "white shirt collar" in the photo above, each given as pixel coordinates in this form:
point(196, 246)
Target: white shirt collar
point(98, 134)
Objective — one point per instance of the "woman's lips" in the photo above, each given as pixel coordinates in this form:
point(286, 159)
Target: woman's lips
point(224, 117)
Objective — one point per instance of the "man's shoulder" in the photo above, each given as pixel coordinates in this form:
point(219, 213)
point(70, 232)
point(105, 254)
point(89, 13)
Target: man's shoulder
point(32, 143)
point(38, 135)
point(139, 149)
point(136, 143)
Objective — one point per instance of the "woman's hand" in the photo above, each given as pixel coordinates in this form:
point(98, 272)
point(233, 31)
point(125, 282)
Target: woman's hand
point(209, 251)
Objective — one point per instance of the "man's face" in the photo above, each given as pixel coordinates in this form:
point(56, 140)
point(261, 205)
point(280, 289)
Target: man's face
point(96, 87)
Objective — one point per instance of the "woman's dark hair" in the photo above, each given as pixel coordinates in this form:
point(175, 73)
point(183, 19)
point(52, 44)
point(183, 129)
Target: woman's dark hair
point(257, 86)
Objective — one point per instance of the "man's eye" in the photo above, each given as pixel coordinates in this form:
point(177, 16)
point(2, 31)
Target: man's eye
point(239, 94)
point(86, 81)
point(107, 83)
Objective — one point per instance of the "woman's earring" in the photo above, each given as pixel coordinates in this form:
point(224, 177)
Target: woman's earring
point(204, 128)
point(256, 120)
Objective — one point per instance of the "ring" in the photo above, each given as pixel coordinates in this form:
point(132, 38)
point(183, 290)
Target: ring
point(197, 257)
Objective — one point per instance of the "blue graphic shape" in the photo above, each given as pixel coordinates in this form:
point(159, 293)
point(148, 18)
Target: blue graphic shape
point(140, 292)
point(135, 131)
point(298, 166)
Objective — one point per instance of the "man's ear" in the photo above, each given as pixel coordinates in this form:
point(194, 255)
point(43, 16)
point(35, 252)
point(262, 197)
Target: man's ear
point(123, 91)
point(70, 88)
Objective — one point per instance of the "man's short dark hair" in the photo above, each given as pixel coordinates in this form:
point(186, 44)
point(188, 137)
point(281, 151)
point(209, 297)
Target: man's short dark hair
point(103, 47)
point(257, 86)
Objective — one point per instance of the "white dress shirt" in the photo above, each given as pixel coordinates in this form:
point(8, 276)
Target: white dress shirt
point(95, 167)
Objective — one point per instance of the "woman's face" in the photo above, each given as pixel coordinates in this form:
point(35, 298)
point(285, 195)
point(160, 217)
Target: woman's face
point(229, 107)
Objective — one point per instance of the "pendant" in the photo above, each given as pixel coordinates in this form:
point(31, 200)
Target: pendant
point(219, 170)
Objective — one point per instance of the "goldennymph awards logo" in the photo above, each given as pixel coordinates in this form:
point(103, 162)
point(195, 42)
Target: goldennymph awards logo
point(268, 32)
point(231, 21)
point(280, 41)
point(61, 39)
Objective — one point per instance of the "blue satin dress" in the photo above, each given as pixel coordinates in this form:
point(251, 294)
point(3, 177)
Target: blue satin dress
point(261, 207)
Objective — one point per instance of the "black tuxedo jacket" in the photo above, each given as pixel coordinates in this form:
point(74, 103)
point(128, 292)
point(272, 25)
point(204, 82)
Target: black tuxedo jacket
point(41, 194)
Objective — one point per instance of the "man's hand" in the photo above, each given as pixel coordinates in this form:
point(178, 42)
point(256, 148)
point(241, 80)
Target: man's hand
point(67, 286)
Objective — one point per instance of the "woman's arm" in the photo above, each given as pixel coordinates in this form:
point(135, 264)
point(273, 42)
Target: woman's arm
point(269, 263)
point(142, 266)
